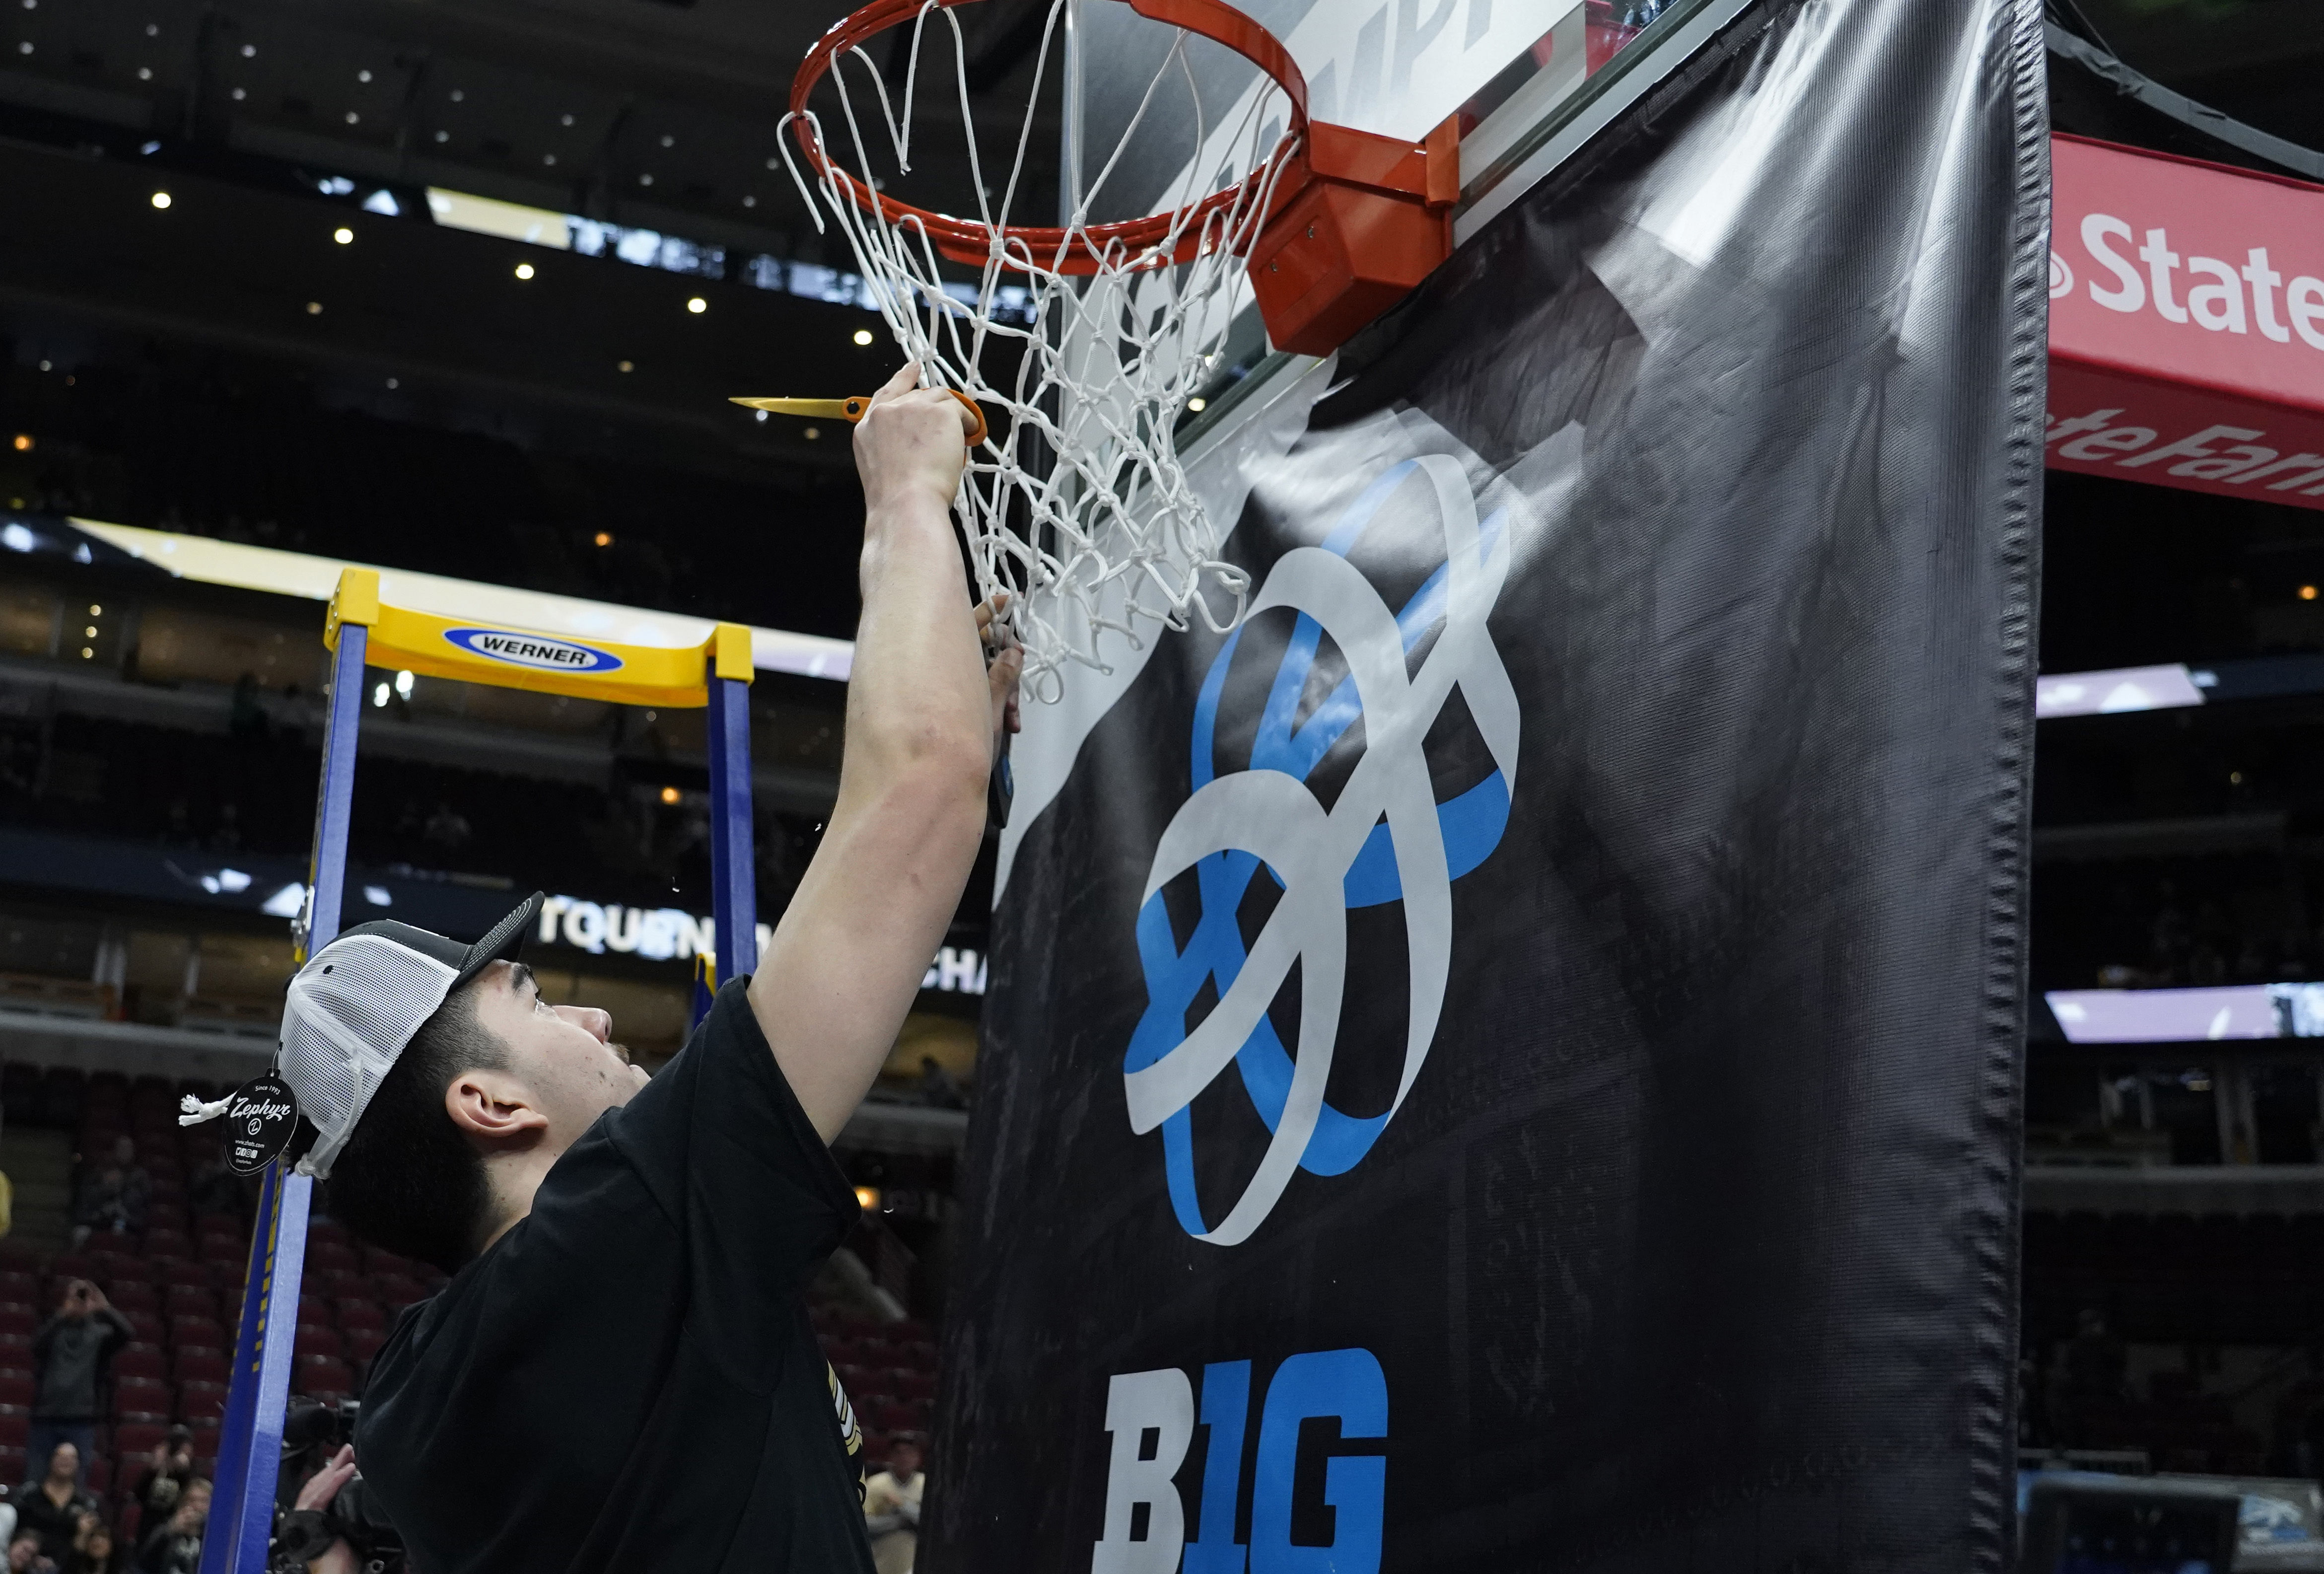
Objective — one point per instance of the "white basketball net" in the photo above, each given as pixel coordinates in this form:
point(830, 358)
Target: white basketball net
point(1075, 503)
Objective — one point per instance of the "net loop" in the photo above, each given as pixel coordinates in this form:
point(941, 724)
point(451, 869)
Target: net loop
point(1092, 337)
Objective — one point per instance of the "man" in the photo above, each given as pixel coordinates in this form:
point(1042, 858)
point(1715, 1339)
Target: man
point(175, 1545)
point(620, 1373)
point(70, 1356)
point(167, 1470)
point(891, 1509)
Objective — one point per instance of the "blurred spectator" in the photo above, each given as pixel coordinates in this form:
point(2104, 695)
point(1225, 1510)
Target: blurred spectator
point(227, 836)
point(175, 1545)
point(246, 716)
point(69, 1357)
point(51, 1507)
point(167, 1469)
point(93, 1553)
point(2091, 1380)
point(891, 1509)
point(114, 1196)
point(938, 1089)
point(215, 1188)
point(26, 1557)
point(177, 827)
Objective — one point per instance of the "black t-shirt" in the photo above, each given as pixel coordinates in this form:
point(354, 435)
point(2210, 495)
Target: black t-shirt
point(627, 1380)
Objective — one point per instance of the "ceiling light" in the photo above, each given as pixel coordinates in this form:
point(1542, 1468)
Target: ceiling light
point(352, 117)
point(605, 538)
point(760, 413)
point(403, 685)
point(669, 141)
point(90, 633)
point(25, 48)
point(524, 270)
point(392, 382)
point(564, 120)
point(549, 158)
point(161, 200)
point(363, 76)
point(344, 235)
point(249, 51)
point(23, 442)
point(629, 365)
point(457, 94)
point(862, 335)
point(144, 73)
point(1196, 404)
point(314, 308)
point(697, 306)
point(379, 698)
point(85, 654)
point(645, 179)
point(749, 201)
point(443, 137)
point(95, 611)
point(152, 30)
point(669, 795)
point(812, 432)
point(774, 164)
point(2307, 593)
point(239, 95)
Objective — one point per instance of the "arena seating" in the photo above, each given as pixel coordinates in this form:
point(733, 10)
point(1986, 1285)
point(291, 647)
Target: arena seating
point(889, 1370)
point(179, 1284)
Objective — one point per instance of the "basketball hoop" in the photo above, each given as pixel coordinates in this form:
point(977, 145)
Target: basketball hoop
point(1078, 502)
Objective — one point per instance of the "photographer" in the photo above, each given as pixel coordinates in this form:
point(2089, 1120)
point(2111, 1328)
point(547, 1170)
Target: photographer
point(69, 1357)
point(623, 1352)
point(167, 1469)
point(309, 1535)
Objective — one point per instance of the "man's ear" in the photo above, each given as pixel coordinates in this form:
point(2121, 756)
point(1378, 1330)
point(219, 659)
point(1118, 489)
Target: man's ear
point(493, 1106)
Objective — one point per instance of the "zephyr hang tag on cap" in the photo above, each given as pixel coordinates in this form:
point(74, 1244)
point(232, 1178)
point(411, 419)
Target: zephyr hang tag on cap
point(260, 1117)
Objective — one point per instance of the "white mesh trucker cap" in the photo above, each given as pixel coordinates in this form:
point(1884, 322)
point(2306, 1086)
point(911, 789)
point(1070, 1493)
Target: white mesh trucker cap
point(356, 1004)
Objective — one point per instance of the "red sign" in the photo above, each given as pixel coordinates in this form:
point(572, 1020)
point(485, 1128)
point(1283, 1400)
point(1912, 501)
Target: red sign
point(2186, 324)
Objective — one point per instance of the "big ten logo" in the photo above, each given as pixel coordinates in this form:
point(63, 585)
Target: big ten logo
point(1305, 1495)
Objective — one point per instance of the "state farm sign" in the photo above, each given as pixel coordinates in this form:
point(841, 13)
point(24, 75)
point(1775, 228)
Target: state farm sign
point(2186, 324)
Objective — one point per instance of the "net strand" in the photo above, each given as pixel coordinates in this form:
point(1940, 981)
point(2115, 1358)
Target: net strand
point(1076, 503)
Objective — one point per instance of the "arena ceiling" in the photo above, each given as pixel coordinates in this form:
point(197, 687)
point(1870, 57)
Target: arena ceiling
point(657, 114)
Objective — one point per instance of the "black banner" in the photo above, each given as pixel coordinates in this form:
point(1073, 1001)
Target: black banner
point(1511, 1060)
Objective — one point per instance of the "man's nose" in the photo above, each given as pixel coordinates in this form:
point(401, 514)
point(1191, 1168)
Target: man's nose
point(598, 1025)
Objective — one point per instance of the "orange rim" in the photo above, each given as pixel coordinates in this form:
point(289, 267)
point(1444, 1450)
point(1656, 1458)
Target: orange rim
point(1080, 251)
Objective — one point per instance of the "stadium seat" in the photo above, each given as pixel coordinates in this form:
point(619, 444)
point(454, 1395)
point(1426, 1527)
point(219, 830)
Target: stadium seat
point(908, 1382)
point(194, 1366)
point(323, 1255)
point(364, 1343)
point(17, 1389)
point(361, 1313)
point(162, 1241)
point(396, 1290)
point(19, 1286)
point(132, 1438)
point(15, 1317)
point(141, 1395)
point(323, 1376)
point(314, 1339)
point(137, 1300)
point(140, 1360)
point(192, 1329)
point(200, 1400)
point(322, 1230)
point(191, 1299)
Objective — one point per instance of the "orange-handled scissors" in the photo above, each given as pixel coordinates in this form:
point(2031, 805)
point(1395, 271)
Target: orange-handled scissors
point(852, 410)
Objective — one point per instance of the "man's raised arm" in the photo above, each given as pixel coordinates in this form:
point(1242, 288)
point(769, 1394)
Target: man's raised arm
point(846, 960)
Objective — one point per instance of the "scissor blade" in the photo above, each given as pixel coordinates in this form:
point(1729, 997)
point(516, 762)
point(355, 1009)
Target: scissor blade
point(823, 408)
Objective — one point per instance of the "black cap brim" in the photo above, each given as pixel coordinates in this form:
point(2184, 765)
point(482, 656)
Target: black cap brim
point(504, 942)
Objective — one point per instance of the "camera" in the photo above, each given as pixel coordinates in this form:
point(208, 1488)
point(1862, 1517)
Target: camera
point(312, 1433)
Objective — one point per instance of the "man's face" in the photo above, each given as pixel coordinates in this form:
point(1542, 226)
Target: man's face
point(564, 1055)
point(65, 1462)
point(904, 1461)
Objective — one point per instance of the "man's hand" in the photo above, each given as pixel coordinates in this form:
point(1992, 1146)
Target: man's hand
point(96, 1300)
point(912, 442)
point(1004, 661)
point(321, 1488)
